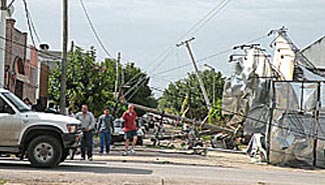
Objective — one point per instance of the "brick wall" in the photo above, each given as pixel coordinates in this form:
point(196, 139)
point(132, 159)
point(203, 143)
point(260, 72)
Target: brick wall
point(15, 54)
point(31, 71)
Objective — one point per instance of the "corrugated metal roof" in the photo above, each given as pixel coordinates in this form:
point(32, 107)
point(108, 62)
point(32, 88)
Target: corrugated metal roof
point(315, 52)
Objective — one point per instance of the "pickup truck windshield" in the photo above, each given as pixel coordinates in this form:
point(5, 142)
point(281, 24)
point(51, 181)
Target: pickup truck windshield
point(20, 105)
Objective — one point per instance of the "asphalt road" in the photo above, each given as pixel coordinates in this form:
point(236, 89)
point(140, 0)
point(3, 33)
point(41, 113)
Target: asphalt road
point(127, 173)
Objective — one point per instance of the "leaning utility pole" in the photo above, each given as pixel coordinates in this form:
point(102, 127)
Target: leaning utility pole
point(205, 95)
point(3, 15)
point(213, 84)
point(117, 73)
point(64, 56)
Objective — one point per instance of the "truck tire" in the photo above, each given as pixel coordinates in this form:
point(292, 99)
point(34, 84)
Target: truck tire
point(64, 155)
point(44, 152)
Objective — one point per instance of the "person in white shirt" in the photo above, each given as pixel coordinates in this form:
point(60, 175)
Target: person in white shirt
point(88, 125)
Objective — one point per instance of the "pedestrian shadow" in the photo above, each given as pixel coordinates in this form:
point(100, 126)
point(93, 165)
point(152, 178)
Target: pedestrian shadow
point(93, 168)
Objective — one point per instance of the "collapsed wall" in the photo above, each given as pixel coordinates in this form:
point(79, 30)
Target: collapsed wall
point(282, 101)
point(296, 135)
point(246, 91)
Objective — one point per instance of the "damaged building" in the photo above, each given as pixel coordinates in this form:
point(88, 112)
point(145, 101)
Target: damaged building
point(280, 103)
point(315, 53)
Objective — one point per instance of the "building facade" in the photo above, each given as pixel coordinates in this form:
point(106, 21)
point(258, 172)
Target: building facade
point(22, 66)
point(15, 57)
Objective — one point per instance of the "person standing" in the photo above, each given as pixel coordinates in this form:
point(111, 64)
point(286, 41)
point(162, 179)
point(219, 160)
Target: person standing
point(88, 125)
point(38, 107)
point(130, 129)
point(70, 113)
point(105, 128)
point(27, 102)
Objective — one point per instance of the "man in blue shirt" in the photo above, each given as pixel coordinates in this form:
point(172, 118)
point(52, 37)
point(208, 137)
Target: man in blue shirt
point(105, 128)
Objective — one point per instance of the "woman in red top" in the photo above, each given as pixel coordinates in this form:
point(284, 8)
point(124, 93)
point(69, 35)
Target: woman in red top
point(130, 129)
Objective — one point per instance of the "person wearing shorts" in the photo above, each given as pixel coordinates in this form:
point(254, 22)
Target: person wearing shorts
point(130, 129)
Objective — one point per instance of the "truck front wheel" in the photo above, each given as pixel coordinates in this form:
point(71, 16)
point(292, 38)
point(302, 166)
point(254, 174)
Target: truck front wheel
point(44, 151)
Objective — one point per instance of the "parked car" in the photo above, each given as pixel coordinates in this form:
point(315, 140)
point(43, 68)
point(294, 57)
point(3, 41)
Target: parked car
point(150, 120)
point(43, 138)
point(118, 135)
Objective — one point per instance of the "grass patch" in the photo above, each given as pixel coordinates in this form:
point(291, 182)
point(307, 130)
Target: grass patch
point(206, 137)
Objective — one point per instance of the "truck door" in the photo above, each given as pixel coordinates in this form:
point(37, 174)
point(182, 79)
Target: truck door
point(10, 125)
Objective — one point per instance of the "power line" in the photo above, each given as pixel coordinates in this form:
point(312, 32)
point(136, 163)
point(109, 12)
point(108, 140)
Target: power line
point(33, 25)
point(94, 30)
point(161, 78)
point(12, 54)
point(162, 60)
point(50, 56)
point(217, 9)
point(292, 112)
point(34, 28)
point(205, 18)
point(208, 57)
point(257, 39)
point(11, 3)
point(137, 89)
point(139, 82)
point(214, 55)
point(299, 133)
point(174, 76)
point(198, 61)
point(199, 24)
point(214, 12)
point(30, 24)
point(165, 52)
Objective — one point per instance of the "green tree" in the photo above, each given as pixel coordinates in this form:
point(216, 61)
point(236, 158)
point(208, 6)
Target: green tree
point(92, 83)
point(187, 92)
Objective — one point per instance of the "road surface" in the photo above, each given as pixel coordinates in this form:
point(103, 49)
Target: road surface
point(133, 173)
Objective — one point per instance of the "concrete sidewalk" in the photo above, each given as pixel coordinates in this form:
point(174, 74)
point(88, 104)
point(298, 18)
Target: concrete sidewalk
point(220, 158)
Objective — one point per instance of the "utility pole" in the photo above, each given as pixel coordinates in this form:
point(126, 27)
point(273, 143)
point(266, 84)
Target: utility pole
point(117, 73)
point(187, 44)
point(64, 56)
point(3, 15)
point(122, 80)
point(120, 95)
point(214, 83)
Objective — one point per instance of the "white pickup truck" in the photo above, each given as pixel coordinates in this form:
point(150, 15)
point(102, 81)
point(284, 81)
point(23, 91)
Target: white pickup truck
point(44, 138)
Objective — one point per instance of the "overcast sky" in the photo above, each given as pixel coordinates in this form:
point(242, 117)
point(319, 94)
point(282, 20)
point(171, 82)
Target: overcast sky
point(144, 29)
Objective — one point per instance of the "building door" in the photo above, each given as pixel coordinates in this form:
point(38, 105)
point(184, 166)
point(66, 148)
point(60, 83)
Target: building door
point(19, 89)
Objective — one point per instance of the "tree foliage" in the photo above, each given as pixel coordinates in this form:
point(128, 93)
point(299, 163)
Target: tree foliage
point(92, 83)
point(187, 92)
